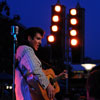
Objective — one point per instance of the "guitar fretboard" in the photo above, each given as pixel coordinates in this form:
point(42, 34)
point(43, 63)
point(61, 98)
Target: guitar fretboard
point(57, 78)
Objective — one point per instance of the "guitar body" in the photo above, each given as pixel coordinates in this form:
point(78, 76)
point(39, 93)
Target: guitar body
point(40, 93)
point(50, 75)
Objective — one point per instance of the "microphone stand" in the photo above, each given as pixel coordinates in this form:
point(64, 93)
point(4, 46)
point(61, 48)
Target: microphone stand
point(14, 32)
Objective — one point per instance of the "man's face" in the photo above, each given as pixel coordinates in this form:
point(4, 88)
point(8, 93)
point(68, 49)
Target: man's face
point(36, 41)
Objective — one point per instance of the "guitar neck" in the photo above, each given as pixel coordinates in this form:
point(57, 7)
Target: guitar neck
point(57, 78)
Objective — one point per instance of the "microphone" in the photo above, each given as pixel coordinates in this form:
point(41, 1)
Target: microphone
point(14, 30)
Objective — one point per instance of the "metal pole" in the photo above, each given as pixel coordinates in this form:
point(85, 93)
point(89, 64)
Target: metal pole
point(14, 32)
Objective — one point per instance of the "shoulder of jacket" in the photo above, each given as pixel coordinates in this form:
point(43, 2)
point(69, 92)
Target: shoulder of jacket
point(24, 48)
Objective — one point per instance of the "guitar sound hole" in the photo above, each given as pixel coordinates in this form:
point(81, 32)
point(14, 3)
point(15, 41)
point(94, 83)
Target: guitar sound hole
point(54, 86)
point(51, 81)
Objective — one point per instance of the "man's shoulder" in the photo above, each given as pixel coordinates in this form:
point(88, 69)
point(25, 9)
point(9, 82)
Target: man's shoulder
point(24, 48)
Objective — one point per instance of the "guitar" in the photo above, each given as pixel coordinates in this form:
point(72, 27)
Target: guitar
point(41, 94)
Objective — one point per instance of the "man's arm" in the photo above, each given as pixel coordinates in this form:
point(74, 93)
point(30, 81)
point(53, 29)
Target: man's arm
point(34, 65)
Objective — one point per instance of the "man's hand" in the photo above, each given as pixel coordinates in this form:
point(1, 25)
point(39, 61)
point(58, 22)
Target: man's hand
point(50, 91)
point(63, 74)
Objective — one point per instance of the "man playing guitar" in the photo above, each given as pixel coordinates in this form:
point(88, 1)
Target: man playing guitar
point(29, 70)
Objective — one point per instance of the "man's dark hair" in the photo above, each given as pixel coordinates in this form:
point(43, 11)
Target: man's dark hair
point(93, 83)
point(23, 37)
